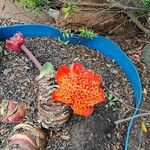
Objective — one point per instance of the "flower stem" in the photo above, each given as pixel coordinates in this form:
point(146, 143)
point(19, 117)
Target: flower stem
point(31, 56)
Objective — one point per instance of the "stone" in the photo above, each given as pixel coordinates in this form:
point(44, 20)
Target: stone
point(146, 54)
point(54, 13)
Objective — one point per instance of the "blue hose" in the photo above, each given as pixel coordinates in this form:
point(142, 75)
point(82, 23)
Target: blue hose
point(100, 43)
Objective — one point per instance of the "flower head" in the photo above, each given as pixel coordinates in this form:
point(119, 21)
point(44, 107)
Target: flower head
point(15, 42)
point(79, 88)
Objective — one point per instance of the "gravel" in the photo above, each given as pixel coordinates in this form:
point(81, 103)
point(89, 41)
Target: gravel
point(97, 132)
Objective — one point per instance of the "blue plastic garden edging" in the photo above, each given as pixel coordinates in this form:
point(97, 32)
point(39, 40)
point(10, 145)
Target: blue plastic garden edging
point(100, 43)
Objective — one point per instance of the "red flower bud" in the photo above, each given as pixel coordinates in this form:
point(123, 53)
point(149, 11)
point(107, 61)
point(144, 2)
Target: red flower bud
point(14, 43)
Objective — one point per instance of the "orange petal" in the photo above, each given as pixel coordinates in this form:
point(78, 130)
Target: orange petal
point(89, 74)
point(54, 95)
point(102, 95)
point(99, 99)
point(83, 111)
point(88, 111)
point(97, 78)
point(62, 70)
point(77, 68)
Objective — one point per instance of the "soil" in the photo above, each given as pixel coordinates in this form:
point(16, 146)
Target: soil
point(97, 132)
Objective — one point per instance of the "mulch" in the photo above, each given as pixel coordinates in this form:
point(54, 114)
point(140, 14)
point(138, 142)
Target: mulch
point(97, 132)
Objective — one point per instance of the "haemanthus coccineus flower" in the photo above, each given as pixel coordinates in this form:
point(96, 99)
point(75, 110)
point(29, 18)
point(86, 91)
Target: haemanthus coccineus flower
point(17, 43)
point(79, 88)
point(14, 43)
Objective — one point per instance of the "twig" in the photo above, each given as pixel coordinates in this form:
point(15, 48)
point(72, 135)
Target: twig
point(133, 117)
point(96, 14)
point(122, 24)
point(137, 23)
point(129, 14)
point(118, 26)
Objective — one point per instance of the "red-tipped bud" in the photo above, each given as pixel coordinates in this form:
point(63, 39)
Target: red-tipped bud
point(14, 43)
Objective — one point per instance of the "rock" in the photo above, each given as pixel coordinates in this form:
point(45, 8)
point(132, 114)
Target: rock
point(146, 54)
point(7, 71)
point(53, 13)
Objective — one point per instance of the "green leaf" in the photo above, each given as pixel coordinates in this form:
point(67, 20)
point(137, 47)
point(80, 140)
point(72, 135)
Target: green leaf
point(1, 53)
point(46, 68)
point(112, 104)
point(68, 9)
point(110, 97)
point(62, 42)
point(84, 32)
point(146, 3)
point(66, 33)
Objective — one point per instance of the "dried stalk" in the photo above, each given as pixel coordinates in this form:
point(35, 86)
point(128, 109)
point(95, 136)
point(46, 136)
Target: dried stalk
point(133, 117)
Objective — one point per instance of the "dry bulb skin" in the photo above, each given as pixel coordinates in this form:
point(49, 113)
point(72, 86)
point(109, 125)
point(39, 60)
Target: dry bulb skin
point(51, 115)
point(11, 111)
point(26, 136)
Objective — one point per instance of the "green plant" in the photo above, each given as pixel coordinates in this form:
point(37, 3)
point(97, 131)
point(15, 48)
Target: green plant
point(84, 32)
point(146, 3)
point(67, 33)
point(31, 4)
point(61, 42)
point(112, 100)
point(68, 9)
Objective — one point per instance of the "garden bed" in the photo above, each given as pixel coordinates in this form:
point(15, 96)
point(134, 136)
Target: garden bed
point(96, 132)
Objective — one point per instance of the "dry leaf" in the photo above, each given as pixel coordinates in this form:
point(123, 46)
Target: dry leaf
point(144, 127)
point(65, 137)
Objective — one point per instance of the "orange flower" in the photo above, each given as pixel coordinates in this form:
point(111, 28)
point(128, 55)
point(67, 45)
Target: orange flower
point(79, 88)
